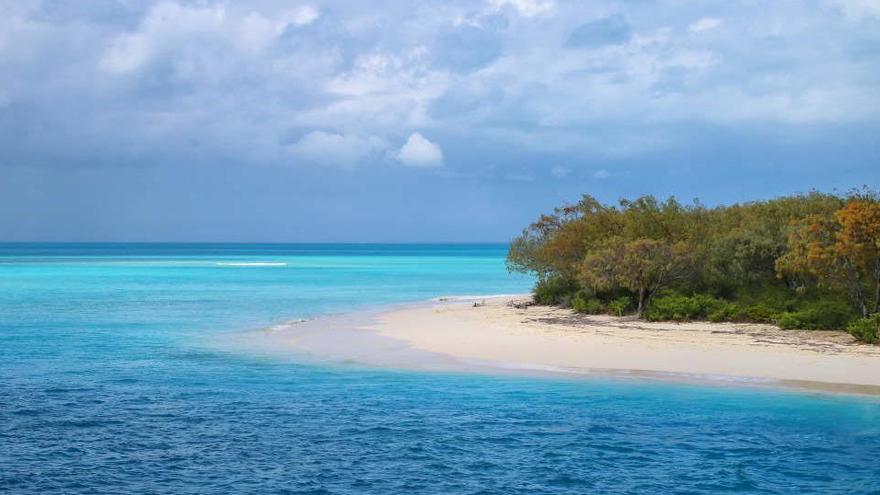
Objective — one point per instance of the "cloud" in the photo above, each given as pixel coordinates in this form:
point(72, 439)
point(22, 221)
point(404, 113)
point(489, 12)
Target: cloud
point(467, 47)
point(169, 27)
point(329, 148)
point(858, 9)
point(164, 26)
point(601, 174)
point(196, 93)
point(527, 8)
point(704, 24)
point(384, 91)
point(563, 80)
point(613, 30)
point(256, 31)
point(419, 152)
point(126, 53)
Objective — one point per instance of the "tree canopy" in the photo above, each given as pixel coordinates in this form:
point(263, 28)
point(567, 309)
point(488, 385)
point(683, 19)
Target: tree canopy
point(760, 261)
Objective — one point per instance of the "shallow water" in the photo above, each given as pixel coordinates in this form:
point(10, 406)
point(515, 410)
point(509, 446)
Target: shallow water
point(110, 382)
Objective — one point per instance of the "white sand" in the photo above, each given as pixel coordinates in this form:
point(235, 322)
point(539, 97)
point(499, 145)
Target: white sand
point(499, 334)
point(543, 337)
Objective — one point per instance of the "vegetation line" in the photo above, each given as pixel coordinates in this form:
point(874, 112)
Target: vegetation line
point(809, 261)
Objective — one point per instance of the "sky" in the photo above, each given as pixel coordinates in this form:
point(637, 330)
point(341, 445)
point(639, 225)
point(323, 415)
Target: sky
point(395, 121)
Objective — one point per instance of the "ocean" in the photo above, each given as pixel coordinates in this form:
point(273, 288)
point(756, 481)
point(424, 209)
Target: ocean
point(111, 382)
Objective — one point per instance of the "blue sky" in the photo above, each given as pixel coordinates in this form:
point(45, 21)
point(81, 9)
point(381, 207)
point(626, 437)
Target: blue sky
point(418, 121)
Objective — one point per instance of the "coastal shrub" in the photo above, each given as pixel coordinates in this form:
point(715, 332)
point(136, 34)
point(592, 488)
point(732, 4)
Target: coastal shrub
point(555, 291)
point(823, 315)
point(739, 313)
point(866, 329)
point(724, 312)
point(582, 303)
point(683, 308)
point(619, 306)
point(756, 313)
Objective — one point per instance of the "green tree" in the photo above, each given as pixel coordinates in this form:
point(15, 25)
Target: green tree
point(642, 266)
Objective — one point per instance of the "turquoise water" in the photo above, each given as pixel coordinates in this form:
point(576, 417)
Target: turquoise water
point(108, 384)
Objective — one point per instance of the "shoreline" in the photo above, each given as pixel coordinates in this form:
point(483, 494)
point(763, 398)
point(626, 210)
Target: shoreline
point(500, 335)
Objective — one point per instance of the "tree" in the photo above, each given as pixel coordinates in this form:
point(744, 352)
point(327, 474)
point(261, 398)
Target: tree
point(840, 251)
point(554, 246)
point(741, 260)
point(642, 266)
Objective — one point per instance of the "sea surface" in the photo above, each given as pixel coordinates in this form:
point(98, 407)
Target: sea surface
point(110, 383)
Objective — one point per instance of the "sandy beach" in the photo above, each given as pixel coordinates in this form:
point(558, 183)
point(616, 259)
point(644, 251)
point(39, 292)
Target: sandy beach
point(508, 330)
point(506, 333)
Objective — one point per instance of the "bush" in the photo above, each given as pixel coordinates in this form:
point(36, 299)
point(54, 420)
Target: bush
point(767, 299)
point(620, 305)
point(755, 313)
point(825, 315)
point(582, 303)
point(725, 312)
point(866, 329)
point(555, 290)
point(683, 308)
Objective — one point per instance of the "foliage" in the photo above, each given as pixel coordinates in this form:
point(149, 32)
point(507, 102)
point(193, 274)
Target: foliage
point(866, 329)
point(583, 303)
point(824, 315)
point(740, 313)
point(757, 313)
point(684, 308)
point(791, 259)
point(555, 291)
point(642, 266)
point(619, 306)
point(840, 251)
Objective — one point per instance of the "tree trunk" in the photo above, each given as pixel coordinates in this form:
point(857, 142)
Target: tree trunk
point(862, 301)
point(876, 296)
point(857, 292)
point(641, 307)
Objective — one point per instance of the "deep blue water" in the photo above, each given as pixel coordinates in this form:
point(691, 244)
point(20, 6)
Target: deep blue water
point(109, 384)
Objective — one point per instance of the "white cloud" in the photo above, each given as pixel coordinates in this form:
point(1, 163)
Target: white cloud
point(172, 27)
point(602, 174)
point(126, 53)
point(165, 24)
point(257, 31)
point(705, 24)
point(303, 15)
point(527, 8)
point(336, 149)
point(419, 152)
point(382, 91)
point(372, 73)
point(858, 9)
